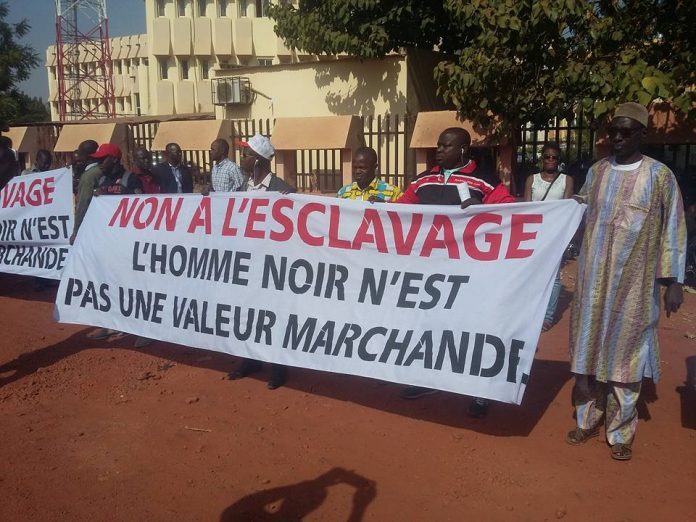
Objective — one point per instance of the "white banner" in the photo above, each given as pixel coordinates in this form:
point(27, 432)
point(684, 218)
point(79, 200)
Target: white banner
point(36, 222)
point(424, 295)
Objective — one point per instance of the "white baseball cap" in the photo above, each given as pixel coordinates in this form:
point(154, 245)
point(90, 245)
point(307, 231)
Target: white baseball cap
point(261, 145)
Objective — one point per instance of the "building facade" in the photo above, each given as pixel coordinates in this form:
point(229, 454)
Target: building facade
point(223, 57)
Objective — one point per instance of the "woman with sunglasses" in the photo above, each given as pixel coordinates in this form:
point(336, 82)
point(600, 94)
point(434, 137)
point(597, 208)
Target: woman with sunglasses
point(549, 184)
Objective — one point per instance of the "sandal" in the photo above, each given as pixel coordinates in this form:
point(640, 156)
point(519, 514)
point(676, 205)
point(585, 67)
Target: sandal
point(621, 452)
point(100, 334)
point(116, 336)
point(579, 436)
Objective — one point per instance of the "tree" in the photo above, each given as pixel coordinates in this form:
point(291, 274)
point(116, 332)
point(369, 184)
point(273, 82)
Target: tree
point(508, 62)
point(16, 62)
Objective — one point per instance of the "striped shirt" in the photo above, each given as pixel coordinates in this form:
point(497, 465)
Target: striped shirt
point(377, 189)
point(635, 234)
point(227, 176)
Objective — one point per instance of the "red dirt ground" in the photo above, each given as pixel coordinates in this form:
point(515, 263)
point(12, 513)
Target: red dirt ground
point(101, 431)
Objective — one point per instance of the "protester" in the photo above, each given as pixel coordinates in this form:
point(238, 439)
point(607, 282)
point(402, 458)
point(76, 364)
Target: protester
point(9, 167)
point(635, 238)
point(88, 181)
point(226, 176)
point(257, 154)
point(453, 172)
point(547, 185)
point(367, 185)
point(41, 164)
point(81, 162)
point(173, 175)
point(256, 164)
point(142, 168)
point(454, 180)
point(115, 179)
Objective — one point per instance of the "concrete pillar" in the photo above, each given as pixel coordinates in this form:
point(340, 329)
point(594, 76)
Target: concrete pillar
point(286, 166)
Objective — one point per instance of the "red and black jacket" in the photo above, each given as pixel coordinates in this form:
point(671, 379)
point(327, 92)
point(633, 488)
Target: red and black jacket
point(429, 187)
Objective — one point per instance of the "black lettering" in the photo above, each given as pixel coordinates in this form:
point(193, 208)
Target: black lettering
point(293, 338)
point(362, 346)
point(432, 291)
point(369, 284)
point(399, 346)
point(457, 357)
point(407, 289)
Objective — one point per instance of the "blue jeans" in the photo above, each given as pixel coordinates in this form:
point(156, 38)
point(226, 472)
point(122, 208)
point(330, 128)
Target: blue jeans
point(553, 301)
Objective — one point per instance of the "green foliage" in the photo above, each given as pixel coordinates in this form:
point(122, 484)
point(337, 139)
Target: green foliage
point(16, 62)
point(511, 62)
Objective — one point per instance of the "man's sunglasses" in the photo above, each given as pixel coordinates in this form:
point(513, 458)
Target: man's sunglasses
point(550, 157)
point(624, 132)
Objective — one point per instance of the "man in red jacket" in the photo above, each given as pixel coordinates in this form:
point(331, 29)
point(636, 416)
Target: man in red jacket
point(455, 180)
point(442, 184)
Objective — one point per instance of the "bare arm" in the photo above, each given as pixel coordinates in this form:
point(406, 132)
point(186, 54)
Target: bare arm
point(528, 188)
point(569, 188)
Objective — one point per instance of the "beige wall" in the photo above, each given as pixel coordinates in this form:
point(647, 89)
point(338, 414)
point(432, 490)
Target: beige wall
point(288, 82)
point(204, 42)
point(337, 87)
point(130, 76)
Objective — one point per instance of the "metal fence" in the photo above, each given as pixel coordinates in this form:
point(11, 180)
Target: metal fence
point(575, 137)
point(319, 170)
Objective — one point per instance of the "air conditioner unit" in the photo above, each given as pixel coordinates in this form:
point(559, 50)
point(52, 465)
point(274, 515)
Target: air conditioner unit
point(230, 91)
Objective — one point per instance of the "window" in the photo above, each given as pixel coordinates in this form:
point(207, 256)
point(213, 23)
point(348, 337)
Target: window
point(205, 69)
point(181, 7)
point(265, 62)
point(243, 7)
point(202, 5)
point(160, 7)
point(222, 7)
point(137, 104)
point(119, 67)
point(163, 68)
point(184, 64)
point(261, 7)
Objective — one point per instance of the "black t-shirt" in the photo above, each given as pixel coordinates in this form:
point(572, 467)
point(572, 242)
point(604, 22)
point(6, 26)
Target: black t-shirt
point(120, 183)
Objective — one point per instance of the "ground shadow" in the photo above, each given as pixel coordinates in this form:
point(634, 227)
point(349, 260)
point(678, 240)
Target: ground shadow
point(687, 394)
point(449, 409)
point(23, 288)
point(548, 377)
point(295, 502)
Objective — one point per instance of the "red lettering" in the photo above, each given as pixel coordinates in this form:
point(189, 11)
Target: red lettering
point(19, 195)
point(7, 194)
point(302, 218)
point(282, 219)
point(138, 222)
point(255, 217)
point(170, 216)
point(48, 189)
point(494, 240)
point(124, 212)
point(34, 193)
point(404, 247)
point(227, 230)
point(334, 221)
point(518, 235)
point(202, 217)
point(432, 241)
point(371, 219)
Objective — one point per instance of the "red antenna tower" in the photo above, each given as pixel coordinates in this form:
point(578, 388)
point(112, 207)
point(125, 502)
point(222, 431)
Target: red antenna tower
point(83, 56)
